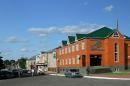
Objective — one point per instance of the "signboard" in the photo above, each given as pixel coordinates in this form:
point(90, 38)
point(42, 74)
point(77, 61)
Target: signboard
point(96, 44)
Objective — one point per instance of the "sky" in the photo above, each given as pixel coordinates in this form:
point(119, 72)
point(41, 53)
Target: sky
point(30, 26)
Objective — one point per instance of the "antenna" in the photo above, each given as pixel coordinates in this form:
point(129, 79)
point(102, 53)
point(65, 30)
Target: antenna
point(117, 27)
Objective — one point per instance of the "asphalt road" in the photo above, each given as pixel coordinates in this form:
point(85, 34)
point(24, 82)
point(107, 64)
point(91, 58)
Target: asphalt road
point(61, 81)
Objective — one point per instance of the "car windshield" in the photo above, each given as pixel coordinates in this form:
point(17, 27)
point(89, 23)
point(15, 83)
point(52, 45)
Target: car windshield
point(74, 70)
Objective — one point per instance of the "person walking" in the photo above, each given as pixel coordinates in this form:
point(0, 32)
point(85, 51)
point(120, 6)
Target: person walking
point(88, 70)
point(32, 72)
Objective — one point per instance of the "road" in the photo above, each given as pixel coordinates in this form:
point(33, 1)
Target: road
point(61, 81)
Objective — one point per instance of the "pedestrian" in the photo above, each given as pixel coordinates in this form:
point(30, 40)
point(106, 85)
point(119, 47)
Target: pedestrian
point(88, 70)
point(32, 72)
point(19, 73)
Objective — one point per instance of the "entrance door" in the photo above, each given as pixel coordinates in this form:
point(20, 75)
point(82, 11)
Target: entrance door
point(83, 60)
point(95, 60)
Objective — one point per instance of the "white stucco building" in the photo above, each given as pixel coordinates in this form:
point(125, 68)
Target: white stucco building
point(31, 63)
point(52, 61)
point(41, 62)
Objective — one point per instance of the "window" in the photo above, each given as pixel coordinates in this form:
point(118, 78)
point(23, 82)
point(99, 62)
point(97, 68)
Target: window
point(83, 45)
point(73, 60)
point(69, 49)
point(65, 50)
point(63, 61)
point(60, 51)
point(116, 34)
point(60, 62)
point(116, 52)
point(77, 59)
point(66, 61)
point(73, 48)
point(69, 60)
point(77, 47)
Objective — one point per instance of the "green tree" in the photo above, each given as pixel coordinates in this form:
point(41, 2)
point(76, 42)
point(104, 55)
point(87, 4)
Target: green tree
point(7, 62)
point(1, 63)
point(22, 62)
point(12, 62)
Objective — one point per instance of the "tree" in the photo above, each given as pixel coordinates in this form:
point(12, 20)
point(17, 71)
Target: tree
point(22, 62)
point(7, 62)
point(12, 62)
point(1, 63)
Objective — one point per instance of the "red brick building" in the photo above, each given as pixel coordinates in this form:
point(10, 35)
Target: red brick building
point(104, 48)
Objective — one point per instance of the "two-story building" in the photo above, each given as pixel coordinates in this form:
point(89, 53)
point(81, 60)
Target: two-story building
point(52, 67)
point(31, 63)
point(41, 62)
point(103, 49)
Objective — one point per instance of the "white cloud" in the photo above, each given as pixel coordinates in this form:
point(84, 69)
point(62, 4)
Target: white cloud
point(14, 39)
point(109, 8)
point(24, 50)
point(68, 29)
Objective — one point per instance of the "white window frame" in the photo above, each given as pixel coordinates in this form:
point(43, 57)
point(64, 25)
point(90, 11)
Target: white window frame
point(59, 51)
point(73, 60)
point(66, 61)
point(60, 62)
point(65, 50)
point(69, 60)
point(63, 61)
point(77, 59)
point(69, 49)
point(73, 48)
point(77, 47)
point(62, 50)
point(83, 45)
point(116, 53)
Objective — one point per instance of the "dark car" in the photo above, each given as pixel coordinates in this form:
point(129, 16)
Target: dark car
point(5, 74)
point(73, 73)
point(17, 72)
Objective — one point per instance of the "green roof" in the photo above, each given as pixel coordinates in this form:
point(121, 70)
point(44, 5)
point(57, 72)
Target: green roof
point(64, 42)
point(71, 39)
point(126, 37)
point(100, 33)
point(103, 32)
point(81, 36)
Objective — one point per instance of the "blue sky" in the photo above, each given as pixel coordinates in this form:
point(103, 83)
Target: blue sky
point(30, 26)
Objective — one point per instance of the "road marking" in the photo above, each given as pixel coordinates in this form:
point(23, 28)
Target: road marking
point(57, 74)
point(95, 77)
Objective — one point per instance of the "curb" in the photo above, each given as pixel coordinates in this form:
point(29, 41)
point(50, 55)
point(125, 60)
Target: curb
point(95, 77)
point(107, 78)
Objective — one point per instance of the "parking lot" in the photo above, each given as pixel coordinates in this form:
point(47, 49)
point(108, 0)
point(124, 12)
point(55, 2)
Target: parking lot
point(47, 80)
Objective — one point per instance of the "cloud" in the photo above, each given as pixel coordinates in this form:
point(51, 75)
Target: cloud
point(68, 29)
point(14, 39)
point(109, 8)
point(24, 50)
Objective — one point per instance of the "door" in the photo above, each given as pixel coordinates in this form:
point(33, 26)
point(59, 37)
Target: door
point(83, 60)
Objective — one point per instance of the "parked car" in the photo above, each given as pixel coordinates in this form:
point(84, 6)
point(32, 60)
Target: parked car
point(17, 72)
point(5, 74)
point(73, 73)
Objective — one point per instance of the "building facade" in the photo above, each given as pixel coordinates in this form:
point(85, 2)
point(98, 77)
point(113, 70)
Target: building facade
point(105, 48)
point(41, 62)
point(52, 67)
point(31, 63)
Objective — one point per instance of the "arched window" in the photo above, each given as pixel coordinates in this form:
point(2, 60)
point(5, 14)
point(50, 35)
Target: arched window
point(116, 52)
